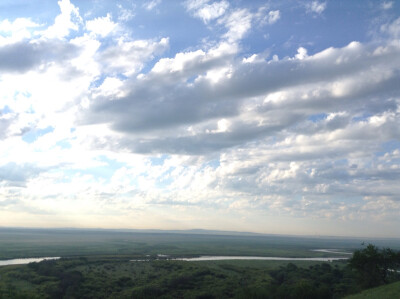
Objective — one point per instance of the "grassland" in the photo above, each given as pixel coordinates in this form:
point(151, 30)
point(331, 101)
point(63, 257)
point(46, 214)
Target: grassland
point(20, 243)
point(97, 264)
point(390, 291)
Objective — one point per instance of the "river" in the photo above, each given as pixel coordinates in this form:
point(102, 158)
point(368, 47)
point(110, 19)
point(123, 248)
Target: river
point(26, 261)
point(267, 258)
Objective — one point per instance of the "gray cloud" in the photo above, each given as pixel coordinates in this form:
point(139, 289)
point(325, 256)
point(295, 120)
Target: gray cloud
point(23, 56)
point(17, 175)
point(4, 125)
point(357, 79)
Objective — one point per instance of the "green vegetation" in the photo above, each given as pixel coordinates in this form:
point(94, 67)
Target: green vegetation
point(374, 266)
point(120, 278)
point(24, 243)
point(98, 264)
point(387, 291)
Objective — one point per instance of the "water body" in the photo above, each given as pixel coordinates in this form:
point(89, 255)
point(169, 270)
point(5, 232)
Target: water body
point(266, 258)
point(332, 251)
point(26, 261)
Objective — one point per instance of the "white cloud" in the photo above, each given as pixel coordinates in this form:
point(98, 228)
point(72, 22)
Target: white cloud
point(68, 20)
point(15, 31)
point(301, 53)
point(150, 5)
point(193, 5)
point(238, 24)
point(125, 14)
point(102, 26)
point(129, 57)
point(238, 21)
point(393, 28)
point(273, 16)
point(126, 126)
point(316, 7)
point(263, 16)
point(208, 12)
point(387, 5)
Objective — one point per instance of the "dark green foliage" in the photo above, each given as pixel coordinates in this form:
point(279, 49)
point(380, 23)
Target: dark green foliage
point(120, 278)
point(318, 281)
point(374, 266)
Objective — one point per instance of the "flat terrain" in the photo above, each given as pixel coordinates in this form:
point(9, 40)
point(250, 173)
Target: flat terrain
point(98, 264)
point(24, 243)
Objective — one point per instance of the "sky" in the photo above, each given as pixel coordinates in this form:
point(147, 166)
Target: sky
point(278, 117)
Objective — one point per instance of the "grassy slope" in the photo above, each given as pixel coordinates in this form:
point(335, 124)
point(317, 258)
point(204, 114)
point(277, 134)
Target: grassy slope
point(387, 291)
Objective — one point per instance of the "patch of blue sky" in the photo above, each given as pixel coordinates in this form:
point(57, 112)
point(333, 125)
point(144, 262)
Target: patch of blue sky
point(283, 38)
point(148, 66)
point(215, 163)
point(32, 135)
point(23, 93)
point(317, 117)
point(170, 19)
point(192, 79)
point(363, 117)
point(104, 171)
point(158, 160)
point(387, 147)
point(5, 110)
point(64, 144)
point(99, 80)
point(12, 9)
point(164, 182)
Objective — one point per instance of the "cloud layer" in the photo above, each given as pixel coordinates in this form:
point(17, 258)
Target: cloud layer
point(101, 121)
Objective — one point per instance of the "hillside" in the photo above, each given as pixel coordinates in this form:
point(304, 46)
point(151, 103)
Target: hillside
point(386, 291)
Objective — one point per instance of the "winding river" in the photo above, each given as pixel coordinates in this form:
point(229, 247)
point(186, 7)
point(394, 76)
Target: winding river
point(26, 261)
point(266, 258)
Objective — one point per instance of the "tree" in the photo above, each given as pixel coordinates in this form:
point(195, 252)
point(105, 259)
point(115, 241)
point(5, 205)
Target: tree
point(374, 267)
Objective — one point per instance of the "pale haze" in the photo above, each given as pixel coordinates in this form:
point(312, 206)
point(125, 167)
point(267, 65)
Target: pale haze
point(278, 117)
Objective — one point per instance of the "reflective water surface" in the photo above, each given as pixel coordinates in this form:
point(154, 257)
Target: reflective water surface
point(26, 261)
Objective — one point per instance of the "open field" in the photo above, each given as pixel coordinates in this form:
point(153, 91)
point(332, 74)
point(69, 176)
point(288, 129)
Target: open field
point(24, 243)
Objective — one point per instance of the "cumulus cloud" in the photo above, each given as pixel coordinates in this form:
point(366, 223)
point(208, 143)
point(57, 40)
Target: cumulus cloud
point(68, 20)
point(22, 56)
point(128, 57)
point(17, 30)
point(126, 124)
point(205, 11)
point(392, 28)
point(323, 81)
point(101, 26)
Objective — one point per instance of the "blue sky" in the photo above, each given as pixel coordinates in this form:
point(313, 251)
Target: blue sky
point(265, 116)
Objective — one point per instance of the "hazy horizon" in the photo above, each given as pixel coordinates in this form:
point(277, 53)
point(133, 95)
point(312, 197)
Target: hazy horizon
point(273, 117)
point(200, 231)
